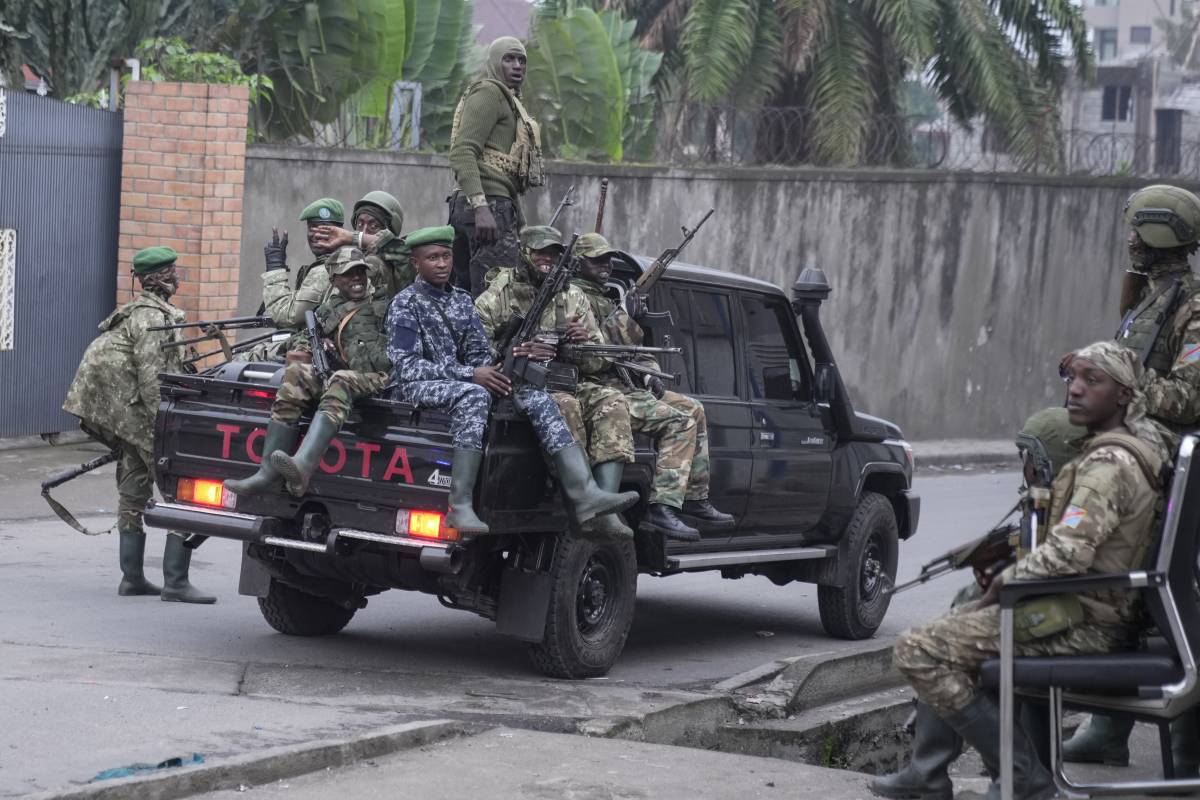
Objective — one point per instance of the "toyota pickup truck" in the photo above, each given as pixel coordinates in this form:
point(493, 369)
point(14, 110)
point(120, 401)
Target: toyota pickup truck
point(821, 494)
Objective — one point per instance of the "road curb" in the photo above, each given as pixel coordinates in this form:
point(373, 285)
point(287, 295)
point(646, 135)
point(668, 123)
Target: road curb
point(267, 766)
point(938, 457)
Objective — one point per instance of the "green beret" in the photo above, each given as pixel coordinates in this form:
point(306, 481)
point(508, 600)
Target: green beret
point(539, 237)
point(592, 245)
point(153, 258)
point(440, 234)
point(344, 260)
point(324, 210)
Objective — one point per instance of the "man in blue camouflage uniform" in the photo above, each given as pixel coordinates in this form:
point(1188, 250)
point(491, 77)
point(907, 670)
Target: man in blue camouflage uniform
point(441, 359)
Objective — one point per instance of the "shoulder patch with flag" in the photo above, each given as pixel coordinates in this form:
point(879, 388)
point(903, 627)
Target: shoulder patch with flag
point(1190, 354)
point(1073, 516)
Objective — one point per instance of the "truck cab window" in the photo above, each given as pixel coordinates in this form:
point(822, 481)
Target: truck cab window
point(704, 327)
point(774, 361)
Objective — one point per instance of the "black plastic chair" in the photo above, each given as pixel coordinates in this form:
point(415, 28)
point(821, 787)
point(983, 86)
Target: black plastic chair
point(1155, 685)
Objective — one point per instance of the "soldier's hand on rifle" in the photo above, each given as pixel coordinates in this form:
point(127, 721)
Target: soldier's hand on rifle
point(655, 386)
point(575, 332)
point(535, 351)
point(275, 251)
point(635, 305)
point(492, 379)
point(486, 229)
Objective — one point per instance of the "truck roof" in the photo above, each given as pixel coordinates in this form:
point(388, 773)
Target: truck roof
point(697, 274)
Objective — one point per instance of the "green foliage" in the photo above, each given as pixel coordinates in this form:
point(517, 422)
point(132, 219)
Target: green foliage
point(442, 57)
point(638, 68)
point(732, 50)
point(171, 59)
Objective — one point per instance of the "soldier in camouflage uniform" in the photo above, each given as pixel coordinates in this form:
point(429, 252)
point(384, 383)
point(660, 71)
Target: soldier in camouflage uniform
point(442, 359)
point(597, 415)
point(284, 304)
point(496, 155)
point(1105, 504)
point(675, 421)
point(378, 221)
point(352, 324)
point(115, 396)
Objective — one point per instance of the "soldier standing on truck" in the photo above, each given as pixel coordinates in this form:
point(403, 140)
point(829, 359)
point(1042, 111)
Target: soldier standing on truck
point(496, 155)
point(115, 396)
point(1105, 502)
point(284, 304)
point(352, 324)
point(596, 414)
point(442, 360)
point(681, 484)
point(378, 220)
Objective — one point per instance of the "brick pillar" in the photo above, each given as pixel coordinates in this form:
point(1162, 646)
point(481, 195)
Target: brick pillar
point(182, 175)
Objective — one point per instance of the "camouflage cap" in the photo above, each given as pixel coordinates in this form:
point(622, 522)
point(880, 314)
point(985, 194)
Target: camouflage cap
point(438, 234)
point(153, 258)
point(593, 245)
point(1050, 439)
point(539, 237)
point(324, 210)
point(345, 259)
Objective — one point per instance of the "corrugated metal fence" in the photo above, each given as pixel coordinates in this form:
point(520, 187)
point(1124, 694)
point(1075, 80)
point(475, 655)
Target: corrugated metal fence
point(60, 189)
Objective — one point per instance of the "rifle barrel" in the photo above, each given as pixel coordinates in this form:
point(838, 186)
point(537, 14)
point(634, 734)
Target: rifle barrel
point(233, 323)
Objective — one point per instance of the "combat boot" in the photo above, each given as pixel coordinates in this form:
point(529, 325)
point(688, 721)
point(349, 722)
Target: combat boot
point(1104, 741)
point(461, 514)
point(588, 499)
point(280, 436)
point(927, 777)
point(1185, 745)
point(297, 470)
point(177, 559)
point(132, 553)
point(708, 515)
point(979, 724)
point(661, 518)
point(608, 526)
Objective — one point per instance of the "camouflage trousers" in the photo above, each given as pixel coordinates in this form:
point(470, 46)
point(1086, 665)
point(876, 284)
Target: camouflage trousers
point(468, 405)
point(942, 660)
point(135, 487)
point(301, 391)
point(697, 486)
point(599, 416)
point(674, 433)
point(472, 260)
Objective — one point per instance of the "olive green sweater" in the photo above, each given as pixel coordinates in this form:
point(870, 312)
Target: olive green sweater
point(487, 120)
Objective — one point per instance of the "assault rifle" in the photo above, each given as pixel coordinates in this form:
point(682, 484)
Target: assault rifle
point(998, 544)
point(624, 352)
point(520, 330)
point(567, 200)
point(652, 273)
point(59, 478)
point(316, 345)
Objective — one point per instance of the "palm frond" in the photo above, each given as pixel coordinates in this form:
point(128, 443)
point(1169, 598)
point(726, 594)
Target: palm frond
point(716, 44)
point(840, 95)
point(908, 25)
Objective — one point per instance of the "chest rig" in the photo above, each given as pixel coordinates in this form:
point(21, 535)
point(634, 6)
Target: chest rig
point(1143, 327)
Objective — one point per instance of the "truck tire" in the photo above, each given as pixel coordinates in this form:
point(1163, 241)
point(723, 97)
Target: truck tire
point(296, 613)
point(591, 607)
point(855, 610)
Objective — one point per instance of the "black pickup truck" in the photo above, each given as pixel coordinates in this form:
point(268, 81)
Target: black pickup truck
point(821, 494)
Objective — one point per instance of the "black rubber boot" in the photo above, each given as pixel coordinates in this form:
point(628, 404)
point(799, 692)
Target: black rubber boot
point(608, 526)
point(280, 436)
point(927, 777)
point(664, 519)
point(297, 470)
point(979, 724)
point(176, 586)
point(132, 552)
point(461, 515)
point(1104, 741)
point(705, 513)
point(588, 499)
point(1185, 745)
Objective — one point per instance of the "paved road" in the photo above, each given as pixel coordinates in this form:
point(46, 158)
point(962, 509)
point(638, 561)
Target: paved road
point(78, 659)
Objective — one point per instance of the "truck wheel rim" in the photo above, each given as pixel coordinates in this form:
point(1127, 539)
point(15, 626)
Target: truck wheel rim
point(594, 598)
point(872, 570)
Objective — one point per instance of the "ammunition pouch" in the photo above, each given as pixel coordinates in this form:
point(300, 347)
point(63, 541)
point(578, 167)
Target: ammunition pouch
point(1041, 617)
point(562, 377)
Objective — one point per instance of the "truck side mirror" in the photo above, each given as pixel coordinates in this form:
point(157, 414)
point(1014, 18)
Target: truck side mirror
point(825, 383)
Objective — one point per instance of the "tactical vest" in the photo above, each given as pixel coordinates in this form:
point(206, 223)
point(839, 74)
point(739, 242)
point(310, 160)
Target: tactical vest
point(1147, 327)
point(357, 331)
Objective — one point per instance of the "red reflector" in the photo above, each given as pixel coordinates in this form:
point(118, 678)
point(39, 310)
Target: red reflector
point(261, 394)
point(426, 524)
point(199, 491)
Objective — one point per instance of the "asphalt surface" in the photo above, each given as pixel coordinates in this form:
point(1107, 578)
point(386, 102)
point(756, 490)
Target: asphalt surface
point(89, 680)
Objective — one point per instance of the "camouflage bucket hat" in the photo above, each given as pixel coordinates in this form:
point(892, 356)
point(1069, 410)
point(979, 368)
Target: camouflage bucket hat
point(593, 245)
point(344, 260)
point(539, 237)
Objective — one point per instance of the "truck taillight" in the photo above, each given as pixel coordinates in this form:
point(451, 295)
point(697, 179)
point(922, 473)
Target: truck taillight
point(259, 394)
point(423, 524)
point(204, 492)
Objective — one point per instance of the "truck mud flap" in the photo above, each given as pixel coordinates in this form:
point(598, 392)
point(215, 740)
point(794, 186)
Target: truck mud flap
point(524, 601)
point(255, 579)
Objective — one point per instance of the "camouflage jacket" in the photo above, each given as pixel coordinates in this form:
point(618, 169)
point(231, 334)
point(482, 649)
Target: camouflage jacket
point(388, 266)
point(510, 292)
point(356, 330)
point(435, 334)
point(616, 326)
point(115, 390)
point(1105, 504)
point(1173, 392)
point(286, 306)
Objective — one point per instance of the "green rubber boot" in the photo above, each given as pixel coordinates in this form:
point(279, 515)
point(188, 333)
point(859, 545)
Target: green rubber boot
point(132, 553)
point(927, 776)
point(297, 470)
point(280, 436)
point(461, 515)
point(588, 499)
point(608, 526)
point(176, 587)
point(1104, 741)
point(978, 723)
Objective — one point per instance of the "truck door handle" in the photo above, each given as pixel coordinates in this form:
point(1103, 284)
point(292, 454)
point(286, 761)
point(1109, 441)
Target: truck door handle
point(766, 436)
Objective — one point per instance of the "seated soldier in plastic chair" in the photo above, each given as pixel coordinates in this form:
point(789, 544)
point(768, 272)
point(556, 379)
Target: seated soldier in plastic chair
point(442, 360)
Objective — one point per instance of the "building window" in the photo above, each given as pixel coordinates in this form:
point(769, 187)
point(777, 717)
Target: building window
point(1118, 104)
point(1106, 43)
point(1139, 34)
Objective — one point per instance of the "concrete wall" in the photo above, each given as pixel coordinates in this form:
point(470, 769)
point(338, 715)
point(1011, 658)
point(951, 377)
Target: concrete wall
point(954, 296)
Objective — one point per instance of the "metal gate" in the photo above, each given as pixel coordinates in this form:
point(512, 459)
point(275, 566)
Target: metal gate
point(60, 192)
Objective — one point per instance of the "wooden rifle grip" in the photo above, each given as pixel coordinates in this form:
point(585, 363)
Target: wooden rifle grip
point(600, 208)
point(1132, 288)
